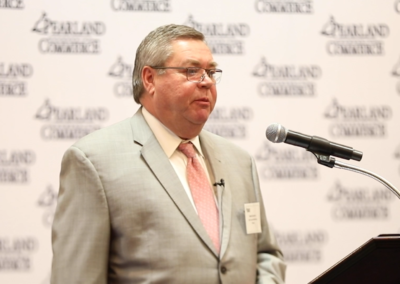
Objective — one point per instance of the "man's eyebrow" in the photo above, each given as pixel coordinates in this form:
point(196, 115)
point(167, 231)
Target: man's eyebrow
point(212, 64)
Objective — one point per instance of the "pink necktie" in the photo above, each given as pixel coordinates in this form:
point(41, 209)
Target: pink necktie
point(202, 193)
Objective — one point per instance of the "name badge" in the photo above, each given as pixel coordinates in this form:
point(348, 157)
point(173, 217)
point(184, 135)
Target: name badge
point(252, 217)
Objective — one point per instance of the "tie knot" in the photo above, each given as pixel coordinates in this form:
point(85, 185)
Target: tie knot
point(187, 149)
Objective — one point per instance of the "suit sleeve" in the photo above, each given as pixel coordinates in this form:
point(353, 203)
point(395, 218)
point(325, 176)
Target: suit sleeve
point(81, 227)
point(270, 266)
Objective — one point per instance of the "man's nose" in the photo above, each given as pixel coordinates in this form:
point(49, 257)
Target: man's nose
point(206, 80)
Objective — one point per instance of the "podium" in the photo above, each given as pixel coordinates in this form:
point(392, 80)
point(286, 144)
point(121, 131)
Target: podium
point(376, 261)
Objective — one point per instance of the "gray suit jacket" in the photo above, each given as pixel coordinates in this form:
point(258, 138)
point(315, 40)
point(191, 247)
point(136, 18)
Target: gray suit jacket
point(124, 217)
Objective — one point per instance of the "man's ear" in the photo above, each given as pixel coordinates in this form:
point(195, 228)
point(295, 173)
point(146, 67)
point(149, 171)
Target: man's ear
point(148, 76)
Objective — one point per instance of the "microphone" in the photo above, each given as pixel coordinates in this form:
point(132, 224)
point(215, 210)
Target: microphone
point(276, 133)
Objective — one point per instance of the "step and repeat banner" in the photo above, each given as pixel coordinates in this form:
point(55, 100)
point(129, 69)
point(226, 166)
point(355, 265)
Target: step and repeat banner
point(325, 68)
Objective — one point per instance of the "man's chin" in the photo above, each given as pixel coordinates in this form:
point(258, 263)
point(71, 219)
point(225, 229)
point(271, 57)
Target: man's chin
point(201, 119)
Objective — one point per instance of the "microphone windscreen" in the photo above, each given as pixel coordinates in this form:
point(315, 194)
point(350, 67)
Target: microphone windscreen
point(276, 133)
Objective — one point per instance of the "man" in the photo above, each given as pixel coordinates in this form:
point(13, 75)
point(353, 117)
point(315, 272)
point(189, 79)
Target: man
point(128, 210)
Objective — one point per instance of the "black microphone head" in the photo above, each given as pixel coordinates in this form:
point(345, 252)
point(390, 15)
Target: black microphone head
point(276, 133)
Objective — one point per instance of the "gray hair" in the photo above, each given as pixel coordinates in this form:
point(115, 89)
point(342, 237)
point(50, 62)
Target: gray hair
point(156, 49)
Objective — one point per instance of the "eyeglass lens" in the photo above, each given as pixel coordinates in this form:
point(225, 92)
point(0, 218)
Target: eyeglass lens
point(195, 74)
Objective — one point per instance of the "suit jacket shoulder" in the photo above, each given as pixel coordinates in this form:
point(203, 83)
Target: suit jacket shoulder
point(224, 150)
point(110, 136)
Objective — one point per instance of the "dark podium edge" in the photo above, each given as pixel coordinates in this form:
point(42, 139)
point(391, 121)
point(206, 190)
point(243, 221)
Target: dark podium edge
point(381, 241)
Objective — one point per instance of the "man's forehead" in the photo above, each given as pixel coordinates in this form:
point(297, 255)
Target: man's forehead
point(192, 58)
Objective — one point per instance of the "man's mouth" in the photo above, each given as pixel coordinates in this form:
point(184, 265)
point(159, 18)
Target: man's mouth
point(203, 100)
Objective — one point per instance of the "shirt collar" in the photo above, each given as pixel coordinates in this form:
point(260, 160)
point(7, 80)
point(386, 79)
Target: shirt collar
point(168, 140)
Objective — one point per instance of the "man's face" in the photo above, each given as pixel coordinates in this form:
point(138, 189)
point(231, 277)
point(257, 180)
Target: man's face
point(178, 103)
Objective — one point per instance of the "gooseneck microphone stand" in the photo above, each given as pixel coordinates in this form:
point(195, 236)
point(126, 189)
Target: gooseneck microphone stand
point(332, 163)
point(323, 150)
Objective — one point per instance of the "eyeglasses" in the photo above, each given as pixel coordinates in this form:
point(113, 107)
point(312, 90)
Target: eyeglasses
point(197, 74)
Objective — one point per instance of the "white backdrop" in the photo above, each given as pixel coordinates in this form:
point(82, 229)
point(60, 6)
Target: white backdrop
point(327, 68)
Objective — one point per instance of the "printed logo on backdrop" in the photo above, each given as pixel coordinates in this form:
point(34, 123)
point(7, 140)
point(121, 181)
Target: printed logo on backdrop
point(230, 122)
point(15, 166)
point(355, 39)
point(286, 80)
point(16, 253)
point(284, 6)
point(68, 37)
point(397, 155)
point(396, 74)
point(359, 202)
point(122, 72)
point(65, 123)
point(302, 246)
point(48, 201)
point(222, 38)
point(12, 4)
point(397, 6)
point(14, 79)
point(141, 5)
point(286, 163)
point(358, 120)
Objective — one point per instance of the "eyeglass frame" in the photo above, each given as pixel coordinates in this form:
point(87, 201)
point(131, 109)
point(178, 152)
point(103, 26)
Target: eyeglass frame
point(207, 71)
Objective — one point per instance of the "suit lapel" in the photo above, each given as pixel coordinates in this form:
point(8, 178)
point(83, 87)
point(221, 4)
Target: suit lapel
point(160, 165)
point(212, 153)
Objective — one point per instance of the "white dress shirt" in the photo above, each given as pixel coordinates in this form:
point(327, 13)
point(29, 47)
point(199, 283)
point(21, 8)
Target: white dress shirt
point(169, 142)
